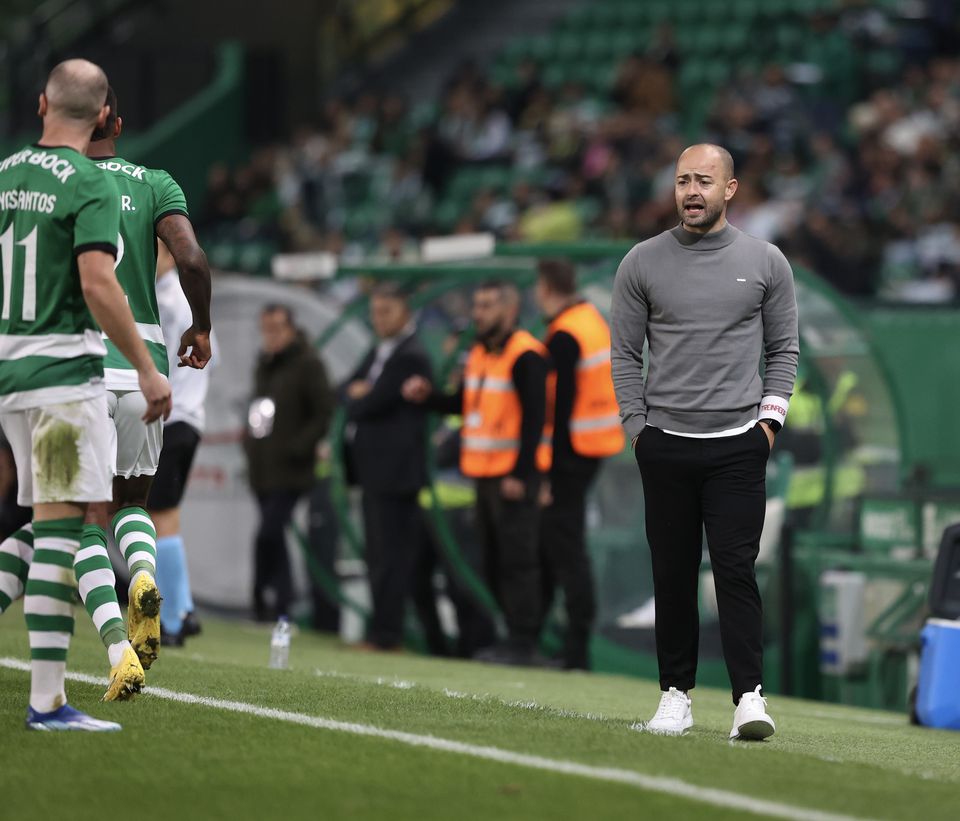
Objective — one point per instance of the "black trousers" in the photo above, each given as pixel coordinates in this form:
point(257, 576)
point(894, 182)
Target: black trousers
point(391, 526)
point(508, 532)
point(271, 560)
point(719, 485)
point(322, 536)
point(475, 628)
point(564, 557)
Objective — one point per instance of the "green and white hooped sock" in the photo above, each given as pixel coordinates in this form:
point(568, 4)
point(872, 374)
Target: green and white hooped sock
point(97, 583)
point(16, 553)
point(137, 539)
point(48, 609)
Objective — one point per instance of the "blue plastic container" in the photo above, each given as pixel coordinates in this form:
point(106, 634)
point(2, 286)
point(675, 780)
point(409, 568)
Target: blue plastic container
point(938, 690)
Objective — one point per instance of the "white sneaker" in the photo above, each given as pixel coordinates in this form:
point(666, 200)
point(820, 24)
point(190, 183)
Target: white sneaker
point(750, 721)
point(673, 716)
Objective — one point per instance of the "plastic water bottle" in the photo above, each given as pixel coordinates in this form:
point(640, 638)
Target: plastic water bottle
point(280, 645)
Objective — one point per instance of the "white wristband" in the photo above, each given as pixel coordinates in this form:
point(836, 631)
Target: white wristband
point(774, 407)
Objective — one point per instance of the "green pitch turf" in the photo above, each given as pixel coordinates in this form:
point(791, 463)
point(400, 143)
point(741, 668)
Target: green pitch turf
point(185, 760)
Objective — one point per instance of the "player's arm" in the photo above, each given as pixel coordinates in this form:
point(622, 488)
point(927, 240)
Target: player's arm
point(177, 234)
point(109, 307)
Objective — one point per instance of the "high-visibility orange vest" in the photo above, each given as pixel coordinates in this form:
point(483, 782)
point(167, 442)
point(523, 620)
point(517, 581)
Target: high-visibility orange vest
point(492, 414)
point(595, 428)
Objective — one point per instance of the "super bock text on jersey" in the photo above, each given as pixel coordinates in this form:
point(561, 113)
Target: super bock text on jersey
point(54, 205)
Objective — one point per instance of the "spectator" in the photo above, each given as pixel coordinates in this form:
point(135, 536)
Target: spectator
point(289, 414)
point(388, 455)
point(586, 428)
point(503, 400)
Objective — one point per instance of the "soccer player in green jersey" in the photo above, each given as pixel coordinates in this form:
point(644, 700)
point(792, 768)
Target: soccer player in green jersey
point(151, 205)
point(59, 217)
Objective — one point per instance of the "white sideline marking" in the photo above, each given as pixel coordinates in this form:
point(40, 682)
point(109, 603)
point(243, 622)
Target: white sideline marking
point(653, 783)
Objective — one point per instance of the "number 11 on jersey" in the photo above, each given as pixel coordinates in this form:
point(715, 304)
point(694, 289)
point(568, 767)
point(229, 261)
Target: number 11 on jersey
point(29, 243)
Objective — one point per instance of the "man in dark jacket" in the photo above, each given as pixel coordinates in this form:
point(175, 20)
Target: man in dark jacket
point(289, 414)
point(388, 456)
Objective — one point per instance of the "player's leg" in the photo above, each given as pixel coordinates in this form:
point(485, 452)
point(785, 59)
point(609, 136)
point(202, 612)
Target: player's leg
point(16, 553)
point(96, 583)
point(176, 458)
point(64, 454)
point(138, 453)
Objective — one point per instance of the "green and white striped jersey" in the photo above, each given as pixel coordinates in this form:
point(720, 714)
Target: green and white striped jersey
point(147, 195)
point(54, 204)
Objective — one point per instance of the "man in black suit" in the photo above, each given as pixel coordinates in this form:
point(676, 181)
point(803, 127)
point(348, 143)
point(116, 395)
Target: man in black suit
point(388, 455)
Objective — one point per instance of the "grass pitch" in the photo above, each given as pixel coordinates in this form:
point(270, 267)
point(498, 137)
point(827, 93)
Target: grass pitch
point(178, 760)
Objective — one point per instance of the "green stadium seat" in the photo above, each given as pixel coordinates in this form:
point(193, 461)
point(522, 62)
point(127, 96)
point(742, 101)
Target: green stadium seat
point(883, 64)
point(626, 41)
point(789, 40)
point(597, 45)
point(632, 14)
point(555, 75)
point(745, 9)
point(577, 20)
point(735, 38)
point(446, 215)
point(605, 17)
point(687, 12)
point(657, 10)
point(539, 47)
point(568, 45)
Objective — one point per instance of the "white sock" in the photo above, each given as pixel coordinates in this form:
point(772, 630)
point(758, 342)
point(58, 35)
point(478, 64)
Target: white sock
point(46, 685)
point(115, 652)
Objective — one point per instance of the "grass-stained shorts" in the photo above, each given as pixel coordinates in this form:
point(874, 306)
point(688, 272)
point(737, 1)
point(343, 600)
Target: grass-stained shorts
point(64, 452)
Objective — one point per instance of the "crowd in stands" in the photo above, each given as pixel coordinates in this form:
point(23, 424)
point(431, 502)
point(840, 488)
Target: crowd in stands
point(850, 164)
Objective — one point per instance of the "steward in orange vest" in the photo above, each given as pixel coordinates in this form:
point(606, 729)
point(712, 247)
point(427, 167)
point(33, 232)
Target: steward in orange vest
point(505, 447)
point(586, 428)
point(594, 419)
point(493, 416)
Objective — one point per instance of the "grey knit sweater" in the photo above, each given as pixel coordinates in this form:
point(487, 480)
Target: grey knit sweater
point(709, 305)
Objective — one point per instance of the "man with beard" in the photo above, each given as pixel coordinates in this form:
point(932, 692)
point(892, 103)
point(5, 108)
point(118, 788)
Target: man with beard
point(709, 300)
point(505, 448)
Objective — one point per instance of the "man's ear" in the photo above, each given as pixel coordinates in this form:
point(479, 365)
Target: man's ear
point(731, 189)
point(42, 105)
point(118, 128)
point(102, 116)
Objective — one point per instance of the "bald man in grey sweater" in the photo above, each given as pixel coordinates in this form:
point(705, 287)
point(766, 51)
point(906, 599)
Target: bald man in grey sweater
point(710, 301)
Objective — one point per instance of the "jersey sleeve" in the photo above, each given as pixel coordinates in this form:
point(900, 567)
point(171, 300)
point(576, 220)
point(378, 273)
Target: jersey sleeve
point(97, 222)
point(168, 196)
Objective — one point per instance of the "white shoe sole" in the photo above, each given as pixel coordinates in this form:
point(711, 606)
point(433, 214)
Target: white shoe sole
point(648, 729)
point(754, 731)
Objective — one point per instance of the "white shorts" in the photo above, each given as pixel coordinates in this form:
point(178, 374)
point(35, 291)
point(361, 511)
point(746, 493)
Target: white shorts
point(137, 444)
point(64, 453)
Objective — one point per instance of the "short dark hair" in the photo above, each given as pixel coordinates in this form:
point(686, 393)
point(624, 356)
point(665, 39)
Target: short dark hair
point(559, 275)
point(106, 131)
point(509, 293)
point(278, 307)
point(390, 290)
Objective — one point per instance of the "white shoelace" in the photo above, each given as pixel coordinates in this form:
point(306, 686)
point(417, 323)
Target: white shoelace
point(673, 705)
point(752, 698)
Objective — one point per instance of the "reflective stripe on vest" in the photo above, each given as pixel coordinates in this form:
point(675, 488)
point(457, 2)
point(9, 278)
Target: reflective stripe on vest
point(595, 428)
point(492, 415)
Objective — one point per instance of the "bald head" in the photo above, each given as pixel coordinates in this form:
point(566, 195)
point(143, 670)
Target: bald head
point(708, 154)
point(75, 91)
